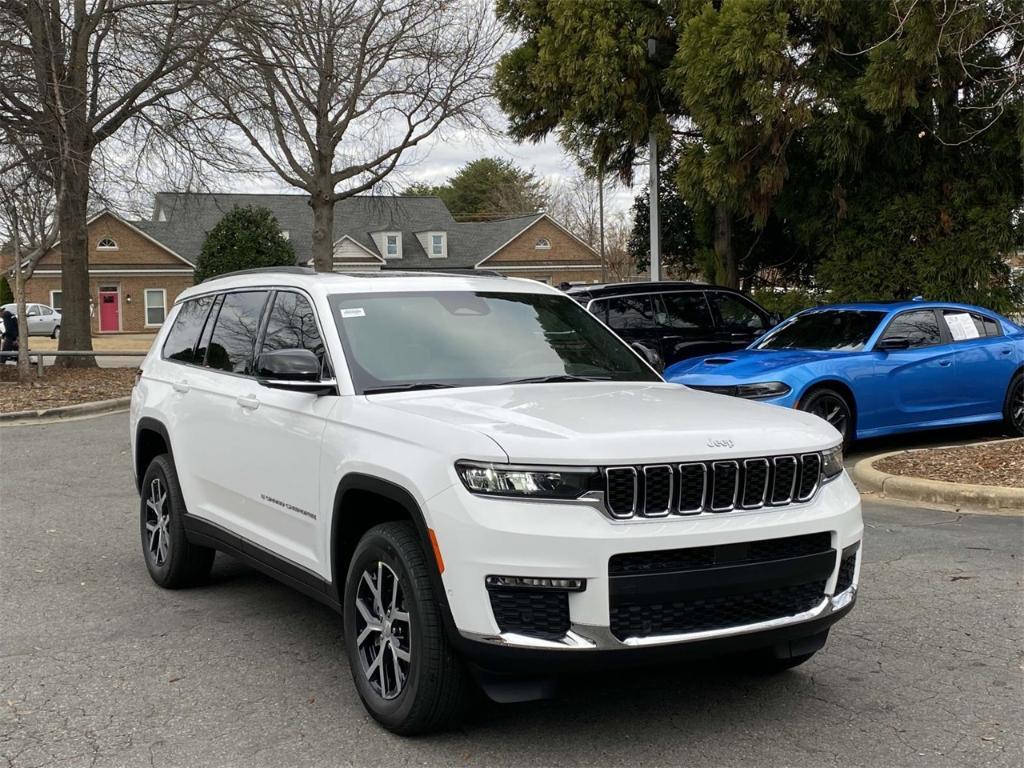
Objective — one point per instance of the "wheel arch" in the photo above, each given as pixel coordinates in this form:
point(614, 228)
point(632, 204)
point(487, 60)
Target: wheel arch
point(839, 386)
point(151, 440)
point(351, 519)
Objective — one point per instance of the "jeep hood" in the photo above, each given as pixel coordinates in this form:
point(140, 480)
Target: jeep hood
point(610, 423)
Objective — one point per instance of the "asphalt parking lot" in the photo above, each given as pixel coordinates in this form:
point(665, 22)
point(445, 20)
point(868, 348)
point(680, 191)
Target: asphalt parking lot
point(99, 667)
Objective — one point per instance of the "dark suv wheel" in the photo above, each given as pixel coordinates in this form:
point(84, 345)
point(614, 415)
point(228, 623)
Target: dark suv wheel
point(171, 559)
point(405, 671)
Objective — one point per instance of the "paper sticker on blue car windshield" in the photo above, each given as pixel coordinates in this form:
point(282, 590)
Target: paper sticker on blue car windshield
point(353, 312)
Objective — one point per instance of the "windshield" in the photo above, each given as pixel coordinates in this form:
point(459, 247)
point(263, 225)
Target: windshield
point(835, 330)
point(463, 338)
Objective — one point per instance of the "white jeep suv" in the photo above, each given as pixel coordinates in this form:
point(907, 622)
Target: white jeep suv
point(486, 483)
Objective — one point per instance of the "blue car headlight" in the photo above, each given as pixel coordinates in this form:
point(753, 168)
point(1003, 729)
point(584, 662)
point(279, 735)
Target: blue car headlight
point(762, 389)
point(831, 463)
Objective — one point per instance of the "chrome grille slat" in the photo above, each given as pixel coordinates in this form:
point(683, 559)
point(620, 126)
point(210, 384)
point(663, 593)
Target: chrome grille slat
point(711, 487)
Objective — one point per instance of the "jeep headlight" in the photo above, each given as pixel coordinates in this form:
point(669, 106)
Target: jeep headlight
point(527, 481)
point(831, 463)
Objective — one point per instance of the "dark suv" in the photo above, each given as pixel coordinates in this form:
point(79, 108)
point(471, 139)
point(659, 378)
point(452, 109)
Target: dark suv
point(677, 320)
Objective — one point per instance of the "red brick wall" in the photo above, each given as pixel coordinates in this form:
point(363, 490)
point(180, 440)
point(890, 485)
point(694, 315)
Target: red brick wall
point(567, 260)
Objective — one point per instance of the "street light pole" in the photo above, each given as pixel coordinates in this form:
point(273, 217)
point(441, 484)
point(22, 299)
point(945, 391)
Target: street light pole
point(652, 193)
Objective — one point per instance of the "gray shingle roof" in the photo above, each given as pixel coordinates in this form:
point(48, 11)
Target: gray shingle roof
point(181, 221)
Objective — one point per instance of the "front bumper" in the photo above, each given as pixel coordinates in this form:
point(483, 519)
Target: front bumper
point(482, 537)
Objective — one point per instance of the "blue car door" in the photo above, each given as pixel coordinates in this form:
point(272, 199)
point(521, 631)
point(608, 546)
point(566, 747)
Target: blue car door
point(920, 382)
point(984, 361)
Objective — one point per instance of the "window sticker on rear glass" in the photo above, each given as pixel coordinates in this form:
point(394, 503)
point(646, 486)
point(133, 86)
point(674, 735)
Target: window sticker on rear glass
point(353, 312)
point(961, 326)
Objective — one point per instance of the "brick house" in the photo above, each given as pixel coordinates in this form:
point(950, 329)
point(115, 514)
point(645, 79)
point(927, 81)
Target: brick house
point(138, 268)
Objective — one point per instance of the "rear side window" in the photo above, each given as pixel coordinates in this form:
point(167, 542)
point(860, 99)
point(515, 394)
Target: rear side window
point(960, 325)
point(234, 334)
point(292, 325)
point(687, 310)
point(184, 334)
point(626, 313)
point(736, 314)
point(920, 327)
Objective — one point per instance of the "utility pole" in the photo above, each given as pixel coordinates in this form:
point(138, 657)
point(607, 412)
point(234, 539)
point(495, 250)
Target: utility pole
point(600, 216)
point(652, 193)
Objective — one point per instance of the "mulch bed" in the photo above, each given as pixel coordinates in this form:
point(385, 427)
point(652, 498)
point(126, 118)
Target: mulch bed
point(999, 463)
point(62, 386)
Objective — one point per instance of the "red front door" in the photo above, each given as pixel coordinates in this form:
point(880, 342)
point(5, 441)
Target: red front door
point(110, 310)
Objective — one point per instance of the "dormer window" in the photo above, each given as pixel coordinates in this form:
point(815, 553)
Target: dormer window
point(106, 244)
point(392, 245)
point(438, 245)
point(543, 244)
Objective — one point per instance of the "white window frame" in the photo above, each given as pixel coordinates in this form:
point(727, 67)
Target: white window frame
point(146, 306)
point(444, 245)
point(53, 306)
point(398, 245)
point(543, 244)
point(101, 247)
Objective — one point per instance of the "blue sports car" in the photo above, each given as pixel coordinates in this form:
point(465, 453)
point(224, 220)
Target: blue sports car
point(877, 369)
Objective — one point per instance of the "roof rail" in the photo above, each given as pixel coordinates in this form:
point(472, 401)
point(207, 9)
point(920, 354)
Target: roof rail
point(467, 272)
point(264, 271)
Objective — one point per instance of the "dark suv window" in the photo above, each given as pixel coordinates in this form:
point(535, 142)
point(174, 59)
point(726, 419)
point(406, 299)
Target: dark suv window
point(687, 311)
point(235, 331)
point(292, 325)
point(920, 327)
point(188, 324)
point(628, 313)
point(735, 314)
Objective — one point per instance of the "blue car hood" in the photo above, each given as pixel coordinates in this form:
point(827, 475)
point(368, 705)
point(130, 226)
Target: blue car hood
point(744, 365)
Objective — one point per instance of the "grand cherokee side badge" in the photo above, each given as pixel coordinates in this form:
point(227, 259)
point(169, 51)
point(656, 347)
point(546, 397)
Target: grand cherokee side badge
point(726, 443)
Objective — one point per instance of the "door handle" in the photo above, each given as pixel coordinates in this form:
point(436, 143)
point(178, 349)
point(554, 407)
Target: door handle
point(249, 402)
point(1005, 351)
point(945, 363)
point(181, 386)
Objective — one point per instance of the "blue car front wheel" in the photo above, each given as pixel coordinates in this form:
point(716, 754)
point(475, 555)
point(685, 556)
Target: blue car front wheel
point(831, 406)
point(1014, 408)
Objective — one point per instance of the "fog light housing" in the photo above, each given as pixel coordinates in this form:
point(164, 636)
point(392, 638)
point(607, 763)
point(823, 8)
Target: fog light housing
point(535, 582)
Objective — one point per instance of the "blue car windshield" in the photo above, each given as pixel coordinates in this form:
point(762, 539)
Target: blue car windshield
point(829, 330)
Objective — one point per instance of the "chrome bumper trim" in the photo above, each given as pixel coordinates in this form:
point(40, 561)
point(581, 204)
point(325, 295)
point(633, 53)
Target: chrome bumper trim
point(586, 637)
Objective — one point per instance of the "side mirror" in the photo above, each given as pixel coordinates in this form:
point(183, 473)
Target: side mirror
point(893, 342)
point(774, 318)
point(653, 358)
point(297, 370)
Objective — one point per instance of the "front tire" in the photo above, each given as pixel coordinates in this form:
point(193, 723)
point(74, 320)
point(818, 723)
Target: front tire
point(404, 669)
point(830, 405)
point(171, 559)
point(1013, 408)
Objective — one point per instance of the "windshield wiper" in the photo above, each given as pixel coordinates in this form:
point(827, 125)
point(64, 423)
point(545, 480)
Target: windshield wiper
point(406, 387)
point(556, 378)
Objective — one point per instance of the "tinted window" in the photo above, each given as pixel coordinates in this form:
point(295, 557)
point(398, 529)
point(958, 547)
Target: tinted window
point(292, 325)
point(983, 326)
point(736, 314)
point(831, 329)
point(188, 324)
point(686, 310)
point(920, 327)
point(234, 334)
point(465, 338)
point(627, 313)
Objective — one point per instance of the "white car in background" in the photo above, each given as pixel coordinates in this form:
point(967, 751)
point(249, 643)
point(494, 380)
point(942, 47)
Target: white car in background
point(42, 320)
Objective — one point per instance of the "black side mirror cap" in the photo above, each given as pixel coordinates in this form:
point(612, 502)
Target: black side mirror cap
point(296, 370)
point(893, 342)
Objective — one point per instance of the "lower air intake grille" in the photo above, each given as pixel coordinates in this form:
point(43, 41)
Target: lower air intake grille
point(702, 614)
point(847, 566)
point(537, 613)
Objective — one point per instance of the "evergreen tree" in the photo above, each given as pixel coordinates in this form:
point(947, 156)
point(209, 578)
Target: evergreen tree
point(488, 188)
point(246, 238)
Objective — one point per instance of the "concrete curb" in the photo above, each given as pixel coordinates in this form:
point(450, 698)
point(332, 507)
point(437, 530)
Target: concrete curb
point(989, 499)
point(48, 415)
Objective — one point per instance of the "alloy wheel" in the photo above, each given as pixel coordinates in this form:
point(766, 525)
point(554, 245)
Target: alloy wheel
point(158, 519)
point(1017, 405)
point(383, 630)
point(834, 411)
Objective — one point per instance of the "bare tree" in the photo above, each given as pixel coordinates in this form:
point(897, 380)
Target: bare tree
point(332, 93)
point(74, 74)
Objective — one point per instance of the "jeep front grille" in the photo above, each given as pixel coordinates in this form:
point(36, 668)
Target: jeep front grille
point(694, 488)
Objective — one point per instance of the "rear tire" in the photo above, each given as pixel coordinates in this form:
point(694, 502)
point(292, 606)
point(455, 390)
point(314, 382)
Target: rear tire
point(56, 333)
point(833, 407)
point(405, 671)
point(1013, 407)
point(172, 560)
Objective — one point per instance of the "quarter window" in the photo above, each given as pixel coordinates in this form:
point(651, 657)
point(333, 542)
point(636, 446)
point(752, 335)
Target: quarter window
point(188, 324)
point(234, 334)
point(292, 325)
point(736, 314)
point(920, 327)
point(156, 306)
